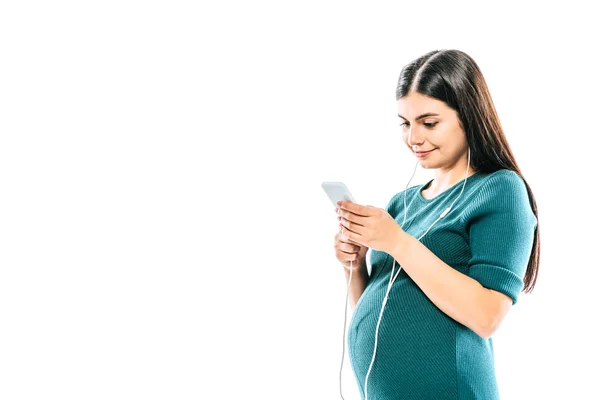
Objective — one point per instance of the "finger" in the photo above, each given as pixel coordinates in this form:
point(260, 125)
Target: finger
point(348, 247)
point(347, 257)
point(350, 216)
point(355, 262)
point(350, 236)
point(354, 208)
point(347, 254)
point(339, 239)
point(350, 230)
point(352, 241)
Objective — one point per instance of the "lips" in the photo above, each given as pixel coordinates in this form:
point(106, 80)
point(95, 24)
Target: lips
point(424, 152)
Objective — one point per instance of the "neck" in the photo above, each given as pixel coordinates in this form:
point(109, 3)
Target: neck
point(444, 178)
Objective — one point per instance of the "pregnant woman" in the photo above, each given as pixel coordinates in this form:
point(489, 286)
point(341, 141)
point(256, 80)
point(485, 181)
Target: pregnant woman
point(448, 257)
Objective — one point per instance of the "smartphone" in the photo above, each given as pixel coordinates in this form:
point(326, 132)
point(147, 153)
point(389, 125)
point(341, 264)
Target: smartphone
point(337, 191)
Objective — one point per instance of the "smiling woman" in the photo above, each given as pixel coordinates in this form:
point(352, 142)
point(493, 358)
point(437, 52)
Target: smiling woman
point(455, 283)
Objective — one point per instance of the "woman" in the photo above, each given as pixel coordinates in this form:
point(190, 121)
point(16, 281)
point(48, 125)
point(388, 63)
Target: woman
point(449, 257)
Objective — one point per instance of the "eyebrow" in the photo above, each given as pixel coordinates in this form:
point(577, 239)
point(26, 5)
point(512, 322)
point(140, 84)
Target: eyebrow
point(421, 116)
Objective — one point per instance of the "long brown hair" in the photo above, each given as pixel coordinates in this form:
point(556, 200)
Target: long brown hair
point(453, 77)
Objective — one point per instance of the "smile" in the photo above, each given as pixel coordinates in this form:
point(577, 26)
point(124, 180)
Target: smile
point(421, 154)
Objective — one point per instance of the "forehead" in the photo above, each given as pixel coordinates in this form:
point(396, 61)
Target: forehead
point(415, 104)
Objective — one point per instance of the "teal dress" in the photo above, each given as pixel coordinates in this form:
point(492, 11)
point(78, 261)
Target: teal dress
point(422, 353)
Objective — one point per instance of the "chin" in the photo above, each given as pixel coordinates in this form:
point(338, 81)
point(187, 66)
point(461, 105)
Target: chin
point(426, 164)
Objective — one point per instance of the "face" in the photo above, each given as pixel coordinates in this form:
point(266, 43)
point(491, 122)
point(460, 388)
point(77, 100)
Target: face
point(441, 131)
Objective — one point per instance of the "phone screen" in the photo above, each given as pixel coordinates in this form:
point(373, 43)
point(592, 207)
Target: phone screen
point(337, 191)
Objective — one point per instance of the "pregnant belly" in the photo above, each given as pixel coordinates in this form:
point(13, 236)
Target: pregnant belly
point(416, 342)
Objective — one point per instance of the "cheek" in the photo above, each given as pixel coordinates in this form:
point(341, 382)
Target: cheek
point(405, 141)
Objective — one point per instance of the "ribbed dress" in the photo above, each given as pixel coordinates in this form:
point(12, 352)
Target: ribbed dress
point(422, 353)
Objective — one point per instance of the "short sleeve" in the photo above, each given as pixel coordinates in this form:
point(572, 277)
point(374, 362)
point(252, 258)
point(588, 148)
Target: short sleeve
point(501, 228)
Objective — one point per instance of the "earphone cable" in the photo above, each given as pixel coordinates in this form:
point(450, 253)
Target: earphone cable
point(385, 299)
point(392, 280)
point(344, 336)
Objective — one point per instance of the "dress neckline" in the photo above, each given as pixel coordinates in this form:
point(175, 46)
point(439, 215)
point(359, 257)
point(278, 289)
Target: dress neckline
point(442, 194)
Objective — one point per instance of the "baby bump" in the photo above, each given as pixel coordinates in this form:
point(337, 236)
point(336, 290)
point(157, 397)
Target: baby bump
point(415, 343)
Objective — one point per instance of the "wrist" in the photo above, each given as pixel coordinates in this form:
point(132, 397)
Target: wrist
point(400, 243)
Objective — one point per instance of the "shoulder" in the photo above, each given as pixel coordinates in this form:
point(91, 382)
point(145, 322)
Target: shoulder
point(503, 192)
point(505, 176)
point(504, 183)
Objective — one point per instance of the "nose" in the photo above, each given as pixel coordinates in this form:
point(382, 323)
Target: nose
point(414, 137)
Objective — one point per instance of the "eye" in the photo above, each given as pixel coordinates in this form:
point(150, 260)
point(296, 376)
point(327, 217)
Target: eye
point(429, 125)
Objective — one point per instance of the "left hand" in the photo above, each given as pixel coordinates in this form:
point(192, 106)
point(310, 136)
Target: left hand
point(369, 226)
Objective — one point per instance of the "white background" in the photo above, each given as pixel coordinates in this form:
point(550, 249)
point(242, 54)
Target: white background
point(163, 231)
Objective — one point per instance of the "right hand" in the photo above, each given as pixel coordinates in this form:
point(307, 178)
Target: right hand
point(346, 251)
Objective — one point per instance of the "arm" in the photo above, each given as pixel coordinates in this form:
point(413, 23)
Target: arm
point(501, 227)
point(460, 297)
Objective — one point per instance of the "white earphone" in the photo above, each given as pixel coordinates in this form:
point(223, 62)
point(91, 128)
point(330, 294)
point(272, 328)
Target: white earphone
point(444, 213)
